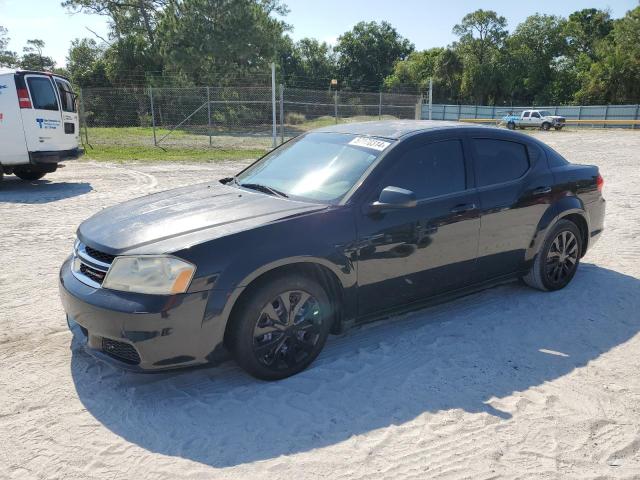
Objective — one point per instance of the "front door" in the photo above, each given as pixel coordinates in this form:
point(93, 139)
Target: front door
point(411, 253)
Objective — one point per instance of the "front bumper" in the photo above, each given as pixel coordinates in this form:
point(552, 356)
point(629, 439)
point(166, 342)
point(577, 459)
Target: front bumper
point(138, 331)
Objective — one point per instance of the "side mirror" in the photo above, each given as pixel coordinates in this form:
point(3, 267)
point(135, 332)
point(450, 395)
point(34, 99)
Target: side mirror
point(394, 197)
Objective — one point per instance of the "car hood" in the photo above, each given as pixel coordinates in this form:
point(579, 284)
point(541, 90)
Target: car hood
point(179, 218)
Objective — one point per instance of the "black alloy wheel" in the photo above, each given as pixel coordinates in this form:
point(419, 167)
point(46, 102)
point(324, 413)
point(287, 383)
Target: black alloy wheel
point(562, 258)
point(281, 326)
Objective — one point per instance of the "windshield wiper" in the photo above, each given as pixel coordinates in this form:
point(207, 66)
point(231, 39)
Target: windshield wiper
point(264, 189)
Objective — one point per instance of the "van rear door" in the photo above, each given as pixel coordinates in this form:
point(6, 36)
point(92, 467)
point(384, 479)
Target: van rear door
point(70, 124)
point(42, 119)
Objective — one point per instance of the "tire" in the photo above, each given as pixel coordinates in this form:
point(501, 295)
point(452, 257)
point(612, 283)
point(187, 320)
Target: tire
point(558, 128)
point(511, 126)
point(546, 126)
point(544, 274)
point(275, 348)
point(29, 175)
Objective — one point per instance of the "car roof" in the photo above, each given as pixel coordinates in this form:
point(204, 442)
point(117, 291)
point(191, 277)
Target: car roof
point(12, 71)
point(392, 129)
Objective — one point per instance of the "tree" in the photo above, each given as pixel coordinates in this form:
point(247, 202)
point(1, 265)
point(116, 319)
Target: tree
point(615, 75)
point(415, 70)
point(86, 64)
point(368, 52)
point(207, 39)
point(7, 57)
point(33, 57)
point(585, 28)
point(530, 57)
point(482, 36)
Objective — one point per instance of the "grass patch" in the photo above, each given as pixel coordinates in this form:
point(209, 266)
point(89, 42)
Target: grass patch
point(121, 154)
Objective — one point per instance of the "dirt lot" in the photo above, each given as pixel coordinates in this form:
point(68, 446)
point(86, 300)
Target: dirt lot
point(510, 382)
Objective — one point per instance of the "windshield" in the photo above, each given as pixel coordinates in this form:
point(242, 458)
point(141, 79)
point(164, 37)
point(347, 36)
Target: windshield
point(317, 166)
point(545, 113)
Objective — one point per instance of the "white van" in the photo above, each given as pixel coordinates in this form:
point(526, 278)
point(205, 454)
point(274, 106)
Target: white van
point(38, 123)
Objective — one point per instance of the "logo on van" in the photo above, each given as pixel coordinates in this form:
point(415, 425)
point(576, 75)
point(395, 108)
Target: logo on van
point(47, 123)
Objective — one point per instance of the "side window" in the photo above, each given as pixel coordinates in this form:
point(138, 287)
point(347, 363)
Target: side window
point(498, 161)
point(42, 94)
point(66, 96)
point(526, 115)
point(555, 159)
point(430, 170)
point(535, 115)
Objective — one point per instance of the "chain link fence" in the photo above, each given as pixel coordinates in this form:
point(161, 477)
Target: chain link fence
point(226, 117)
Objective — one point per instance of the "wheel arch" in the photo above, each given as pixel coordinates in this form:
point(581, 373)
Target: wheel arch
point(568, 208)
point(336, 286)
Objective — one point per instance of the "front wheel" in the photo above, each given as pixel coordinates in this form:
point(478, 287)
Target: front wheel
point(29, 175)
point(281, 327)
point(558, 127)
point(558, 259)
point(546, 126)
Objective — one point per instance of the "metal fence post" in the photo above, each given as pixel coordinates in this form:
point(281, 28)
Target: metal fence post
point(493, 112)
point(83, 119)
point(209, 113)
point(273, 101)
point(606, 114)
point(444, 112)
point(635, 117)
point(153, 117)
point(459, 111)
point(430, 98)
point(335, 105)
point(380, 106)
point(281, 113)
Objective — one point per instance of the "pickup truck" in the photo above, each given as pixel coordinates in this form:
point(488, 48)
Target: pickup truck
point(534, 118)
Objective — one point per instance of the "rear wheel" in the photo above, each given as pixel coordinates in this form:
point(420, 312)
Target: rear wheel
point(281, 327)
point(511, 126)
point(29, 175)
point(558, 259)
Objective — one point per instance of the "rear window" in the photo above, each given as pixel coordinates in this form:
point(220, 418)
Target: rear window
point(43, 96)
point(499, 161)
point(67, 98)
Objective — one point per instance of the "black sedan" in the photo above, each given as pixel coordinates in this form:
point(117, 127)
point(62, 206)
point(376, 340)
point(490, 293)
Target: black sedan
point(336, 227)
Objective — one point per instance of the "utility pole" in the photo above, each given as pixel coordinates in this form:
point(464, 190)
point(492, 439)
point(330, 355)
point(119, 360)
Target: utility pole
point(273, 102)
point(430, 96)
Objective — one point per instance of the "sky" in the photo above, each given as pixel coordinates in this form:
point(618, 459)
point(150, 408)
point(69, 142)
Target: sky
point(425, 23)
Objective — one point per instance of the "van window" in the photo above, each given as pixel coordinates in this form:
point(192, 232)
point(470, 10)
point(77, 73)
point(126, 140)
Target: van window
point(498, 161)
point(430, 170)
point(42, 94)
point(66, 96)
point(526, 115)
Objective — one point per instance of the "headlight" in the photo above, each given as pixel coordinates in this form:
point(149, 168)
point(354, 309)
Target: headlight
point(158, 275)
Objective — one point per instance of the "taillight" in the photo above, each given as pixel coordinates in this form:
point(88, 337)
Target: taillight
point(600, 182)
point(23, 98)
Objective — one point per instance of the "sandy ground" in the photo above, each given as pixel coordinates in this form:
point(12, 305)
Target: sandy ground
point(509, 383)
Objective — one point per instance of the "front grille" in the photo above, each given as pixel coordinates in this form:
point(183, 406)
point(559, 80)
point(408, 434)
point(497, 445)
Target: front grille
point(90, 265)
point(120, 351)
point(94, 274)
point(103, 257)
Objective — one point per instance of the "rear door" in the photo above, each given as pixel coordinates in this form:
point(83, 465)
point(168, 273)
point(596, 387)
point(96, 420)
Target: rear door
point(514, 185)
point(43, 121)
point(68, 104)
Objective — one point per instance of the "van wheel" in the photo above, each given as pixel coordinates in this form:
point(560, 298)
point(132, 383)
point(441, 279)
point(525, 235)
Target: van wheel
point(546, 126)
point(281, 327)
point(558, 128)
point(29, 175)
point(511, 126)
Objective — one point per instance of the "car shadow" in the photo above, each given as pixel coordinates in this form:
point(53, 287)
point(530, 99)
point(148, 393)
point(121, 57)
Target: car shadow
point(14, 190)
point(468, 354)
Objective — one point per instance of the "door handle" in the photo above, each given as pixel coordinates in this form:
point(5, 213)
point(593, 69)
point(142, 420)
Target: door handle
point(464, 208)
point(541, 190)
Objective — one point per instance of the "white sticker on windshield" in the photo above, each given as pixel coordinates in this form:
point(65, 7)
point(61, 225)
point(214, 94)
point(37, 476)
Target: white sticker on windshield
point(369, 142)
